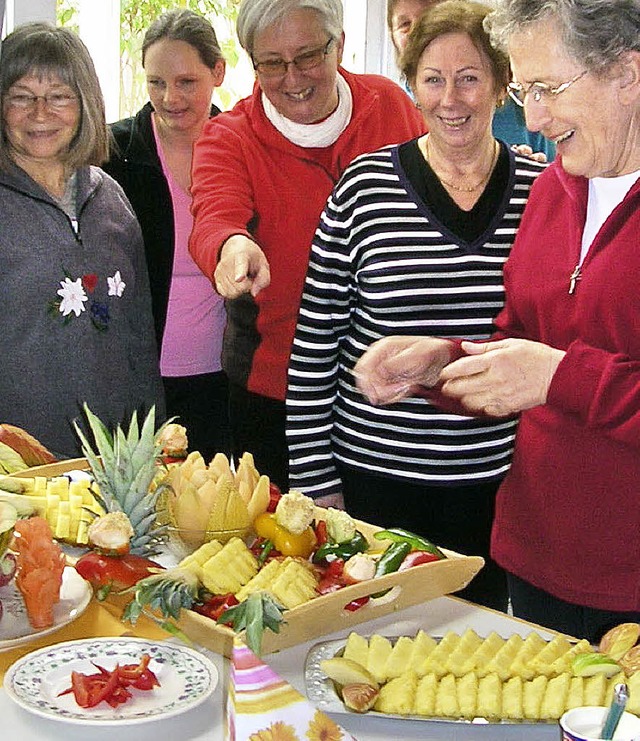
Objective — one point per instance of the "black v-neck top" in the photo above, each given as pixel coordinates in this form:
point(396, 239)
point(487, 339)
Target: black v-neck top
point(468, 225)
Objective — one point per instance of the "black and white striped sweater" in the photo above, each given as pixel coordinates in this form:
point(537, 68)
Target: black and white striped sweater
point(383, 264)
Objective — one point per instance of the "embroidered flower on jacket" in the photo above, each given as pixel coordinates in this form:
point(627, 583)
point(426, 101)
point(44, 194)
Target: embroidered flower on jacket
point(116, 284)
point(90, 281)
point(73, 296)
point(99, 314)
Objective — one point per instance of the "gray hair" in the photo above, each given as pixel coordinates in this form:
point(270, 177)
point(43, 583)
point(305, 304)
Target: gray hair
point(594, 32)
point(43, 49)
point(256, 15)
point(190, 27)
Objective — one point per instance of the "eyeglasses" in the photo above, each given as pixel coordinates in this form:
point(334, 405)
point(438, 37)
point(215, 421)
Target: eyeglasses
point(55, 102)
point(540, 92)
point(303, 62)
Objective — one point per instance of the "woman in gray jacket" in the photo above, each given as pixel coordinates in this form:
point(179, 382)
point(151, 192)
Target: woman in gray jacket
point(75, 315)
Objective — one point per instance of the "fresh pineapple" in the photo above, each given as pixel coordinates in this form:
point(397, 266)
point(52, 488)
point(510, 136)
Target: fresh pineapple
point(400, 657)
point(425, 697)
point(69, 506)
point(398, 695)
point(447, 698)
point(380, 649)
point(124, 466)
point(555, 696)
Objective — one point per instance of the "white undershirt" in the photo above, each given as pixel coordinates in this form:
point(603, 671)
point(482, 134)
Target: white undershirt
point(604, 195)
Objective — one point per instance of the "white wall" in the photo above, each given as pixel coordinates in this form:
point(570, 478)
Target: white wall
point(23, 11)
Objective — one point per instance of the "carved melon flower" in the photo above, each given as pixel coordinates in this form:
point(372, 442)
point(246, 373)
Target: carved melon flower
point(73, 296)
point(116, 284)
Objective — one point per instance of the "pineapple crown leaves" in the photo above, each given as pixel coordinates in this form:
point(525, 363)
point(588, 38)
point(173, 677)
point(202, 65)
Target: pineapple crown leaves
point(260, 611)
point(167, 593)
point(123, 466)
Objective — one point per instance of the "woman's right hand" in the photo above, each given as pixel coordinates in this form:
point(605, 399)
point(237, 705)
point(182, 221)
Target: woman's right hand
point(242, 268)
point(394, 367)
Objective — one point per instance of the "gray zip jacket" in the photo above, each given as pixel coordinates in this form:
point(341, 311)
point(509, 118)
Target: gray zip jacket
point(75, 309)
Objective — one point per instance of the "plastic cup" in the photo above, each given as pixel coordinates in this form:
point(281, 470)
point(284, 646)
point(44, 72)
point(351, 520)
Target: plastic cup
point(585, 724)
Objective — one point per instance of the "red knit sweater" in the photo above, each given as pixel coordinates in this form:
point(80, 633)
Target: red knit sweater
point(568, 513)
point(249, 179)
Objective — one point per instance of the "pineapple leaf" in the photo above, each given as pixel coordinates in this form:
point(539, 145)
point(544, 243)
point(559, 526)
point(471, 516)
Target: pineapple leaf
point(258, 612)
point(102, 437)
point(133, 433)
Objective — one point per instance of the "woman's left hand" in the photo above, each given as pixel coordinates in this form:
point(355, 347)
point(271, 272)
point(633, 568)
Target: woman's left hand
point(503, 377)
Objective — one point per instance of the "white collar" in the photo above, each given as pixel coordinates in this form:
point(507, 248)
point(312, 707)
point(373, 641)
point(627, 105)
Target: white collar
point(322, 134)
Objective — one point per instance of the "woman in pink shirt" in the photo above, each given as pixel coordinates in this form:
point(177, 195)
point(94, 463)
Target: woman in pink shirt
point(152, 161)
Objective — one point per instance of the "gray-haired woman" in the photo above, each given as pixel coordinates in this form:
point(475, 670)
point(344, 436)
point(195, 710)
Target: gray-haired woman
point(76, 313)
point(151, 160)
point(567, 352)
point(262, 173)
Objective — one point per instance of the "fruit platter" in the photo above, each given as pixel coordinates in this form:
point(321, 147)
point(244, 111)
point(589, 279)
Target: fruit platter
point(245, 558)
point(469, 678)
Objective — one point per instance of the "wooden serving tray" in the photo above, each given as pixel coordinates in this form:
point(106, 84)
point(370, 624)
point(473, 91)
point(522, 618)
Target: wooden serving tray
point(325, 614)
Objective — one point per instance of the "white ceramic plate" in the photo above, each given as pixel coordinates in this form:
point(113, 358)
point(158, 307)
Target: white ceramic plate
point(186, 678)
point(15, 629)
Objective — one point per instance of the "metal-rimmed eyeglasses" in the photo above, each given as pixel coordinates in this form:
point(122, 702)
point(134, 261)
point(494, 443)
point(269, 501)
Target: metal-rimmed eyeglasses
point(540, 91)
point(55, 102)
point(302, 62)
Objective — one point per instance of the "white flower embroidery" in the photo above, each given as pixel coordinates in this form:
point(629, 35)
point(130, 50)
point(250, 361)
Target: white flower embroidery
point(116, 284)
point(73, 296)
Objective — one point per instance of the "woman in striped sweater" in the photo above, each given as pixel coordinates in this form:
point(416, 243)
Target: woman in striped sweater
point(413, 241)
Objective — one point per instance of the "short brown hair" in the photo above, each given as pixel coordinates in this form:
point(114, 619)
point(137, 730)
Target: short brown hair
point(44, 49)
point(454, 16)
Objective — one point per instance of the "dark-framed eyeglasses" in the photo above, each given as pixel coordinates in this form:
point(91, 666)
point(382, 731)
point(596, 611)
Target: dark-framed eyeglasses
point(302, 62)
point(56, 102)
point(540, 91)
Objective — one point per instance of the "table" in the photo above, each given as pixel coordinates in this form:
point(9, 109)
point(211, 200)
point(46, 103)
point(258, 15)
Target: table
point(207, 721)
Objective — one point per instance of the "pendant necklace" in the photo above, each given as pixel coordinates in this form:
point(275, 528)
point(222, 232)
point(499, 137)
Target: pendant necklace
point(460, 188)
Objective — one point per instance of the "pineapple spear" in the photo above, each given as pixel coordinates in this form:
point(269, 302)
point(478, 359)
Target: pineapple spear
point(124, 466)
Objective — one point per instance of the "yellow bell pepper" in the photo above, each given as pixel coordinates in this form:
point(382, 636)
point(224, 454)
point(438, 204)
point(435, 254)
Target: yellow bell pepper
point(284, 541)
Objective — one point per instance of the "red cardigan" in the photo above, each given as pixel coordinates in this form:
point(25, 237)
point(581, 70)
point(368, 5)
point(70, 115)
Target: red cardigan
point(249, 179)
point(568, 513)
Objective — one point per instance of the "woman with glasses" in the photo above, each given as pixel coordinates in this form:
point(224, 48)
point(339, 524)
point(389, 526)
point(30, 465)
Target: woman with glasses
point(261, 176)
point(414, 236)
point(567, 352)
point(151, 159)
point(76, 318)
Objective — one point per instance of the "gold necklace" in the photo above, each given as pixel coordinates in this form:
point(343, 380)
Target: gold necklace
point(459, 188)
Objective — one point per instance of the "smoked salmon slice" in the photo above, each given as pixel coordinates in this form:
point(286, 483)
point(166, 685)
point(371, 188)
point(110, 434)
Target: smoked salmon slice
point(40, 563)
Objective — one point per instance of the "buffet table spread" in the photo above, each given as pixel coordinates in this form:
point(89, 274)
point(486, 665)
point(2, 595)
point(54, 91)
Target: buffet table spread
point(207, 721)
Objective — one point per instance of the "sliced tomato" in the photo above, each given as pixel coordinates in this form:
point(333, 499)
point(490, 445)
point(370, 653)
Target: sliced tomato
point(356, 604)
point(274, 496)
point(133, 671)
point(332, 577)
point(415, 558)
point(111, 687)
point(320, 529)
point(215, 605)
point(90, 690)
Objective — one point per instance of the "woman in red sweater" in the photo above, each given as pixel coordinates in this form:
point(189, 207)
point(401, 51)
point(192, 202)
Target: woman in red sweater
point(262, 173)
point(566, 356)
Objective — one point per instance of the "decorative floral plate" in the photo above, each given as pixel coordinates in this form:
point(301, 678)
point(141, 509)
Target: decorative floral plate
point(35, 682)
point(15, 629)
